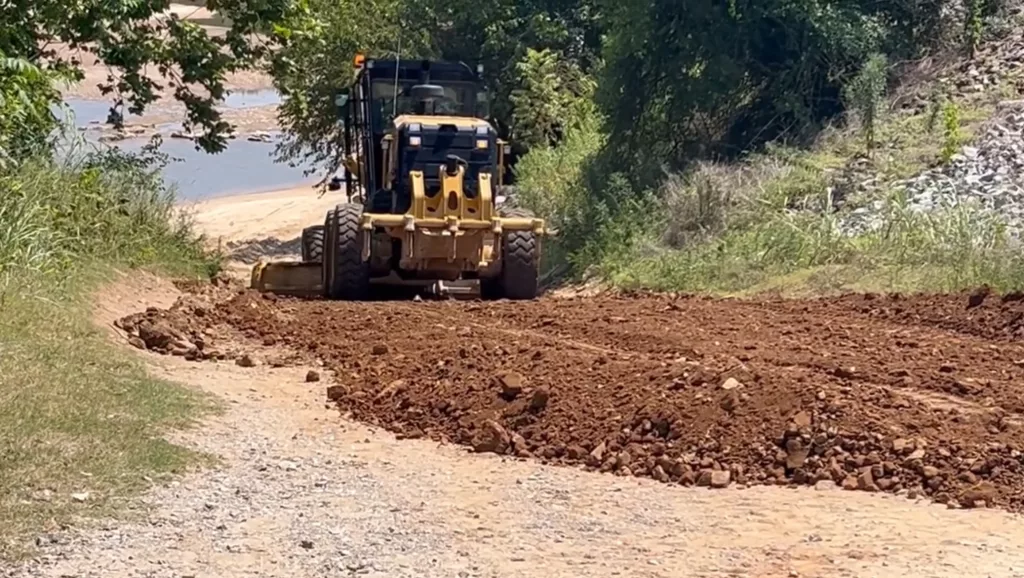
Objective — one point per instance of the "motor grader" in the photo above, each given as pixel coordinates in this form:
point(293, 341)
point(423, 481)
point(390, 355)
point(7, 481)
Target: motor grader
point(424, 173)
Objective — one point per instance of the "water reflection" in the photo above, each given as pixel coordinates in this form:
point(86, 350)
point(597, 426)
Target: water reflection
point(244, 166)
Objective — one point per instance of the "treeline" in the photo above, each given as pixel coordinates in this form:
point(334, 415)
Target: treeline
point(674, 80)
point(602, 99)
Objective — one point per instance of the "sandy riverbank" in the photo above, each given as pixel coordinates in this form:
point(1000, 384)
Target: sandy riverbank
point(167, 110)
point(278, 214)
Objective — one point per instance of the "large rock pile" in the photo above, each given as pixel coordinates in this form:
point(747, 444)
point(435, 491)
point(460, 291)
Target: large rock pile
point(988, 174)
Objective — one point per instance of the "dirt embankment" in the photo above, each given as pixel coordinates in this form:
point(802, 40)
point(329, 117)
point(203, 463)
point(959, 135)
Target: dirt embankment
point(913, 395)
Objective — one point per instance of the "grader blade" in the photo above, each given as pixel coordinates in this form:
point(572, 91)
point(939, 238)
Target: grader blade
point(287, 278)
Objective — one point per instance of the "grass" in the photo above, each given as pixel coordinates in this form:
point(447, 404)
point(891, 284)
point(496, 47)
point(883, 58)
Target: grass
point(767, 224)
point(78, 414)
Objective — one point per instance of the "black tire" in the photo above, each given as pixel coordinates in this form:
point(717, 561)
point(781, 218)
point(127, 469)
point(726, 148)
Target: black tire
point(345, 275)
point(313, 244)
point(520, 265)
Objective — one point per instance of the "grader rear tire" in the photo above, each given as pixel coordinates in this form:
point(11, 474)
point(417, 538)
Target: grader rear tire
point(345, 275)
point(313, 244)
point(520, 263)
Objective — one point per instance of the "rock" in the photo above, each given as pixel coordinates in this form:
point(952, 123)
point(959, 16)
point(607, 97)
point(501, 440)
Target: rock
point(731, 383)
point(312, 376)
point(596, 456)
point(288, 466)
point(80, 497)
point(845, 372)
point(899, 445)
point(379, 349)
point(511, 384)
point(137, 342)
point(336, 392)
point(929, 472)
point(796, 453)
point(491, 438)
point(704, 479)
point(246, 360)
point(518, 442)
point(917, 454)
point(866, 482)
point(979, 495)
point(539, 399)
point(720, 478)
point(307, 544)
point(825, 485)
point(575, 453)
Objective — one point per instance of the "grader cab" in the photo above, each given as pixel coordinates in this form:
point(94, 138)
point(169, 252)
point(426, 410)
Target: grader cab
point(423, 170)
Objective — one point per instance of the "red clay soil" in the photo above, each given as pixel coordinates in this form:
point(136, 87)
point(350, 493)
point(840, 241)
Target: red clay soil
point(916, 395)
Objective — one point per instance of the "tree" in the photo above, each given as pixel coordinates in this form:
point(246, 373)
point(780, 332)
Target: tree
point(548, 94)
point(145, 49)
point(499, 33)
point(713, 79)
point(25, 118)
point(317, 58)
point(865, 93)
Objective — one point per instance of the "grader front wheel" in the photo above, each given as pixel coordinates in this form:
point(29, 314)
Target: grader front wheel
point(520, 264)
point(345, 275)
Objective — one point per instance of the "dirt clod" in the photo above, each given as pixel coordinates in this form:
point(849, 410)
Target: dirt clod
point(246, 360)
point(511, 384)
point(491, 438)
point(540, 398)
point(312, 376)
point(720, 478)
point(337, 392)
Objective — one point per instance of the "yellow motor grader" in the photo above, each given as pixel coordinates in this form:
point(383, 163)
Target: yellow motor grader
point(423, 173)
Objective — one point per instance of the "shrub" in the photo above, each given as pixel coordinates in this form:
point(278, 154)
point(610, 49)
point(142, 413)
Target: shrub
point(101, 206)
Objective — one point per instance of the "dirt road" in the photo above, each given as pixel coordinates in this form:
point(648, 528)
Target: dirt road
point(916, 396)
point(913, 401)
point(303, 491)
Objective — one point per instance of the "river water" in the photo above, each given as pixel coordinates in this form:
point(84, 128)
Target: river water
point(243, 167)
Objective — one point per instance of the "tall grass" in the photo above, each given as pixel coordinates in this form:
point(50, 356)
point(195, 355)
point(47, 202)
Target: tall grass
point(771, 221)
point(107, 207)
point(77, 414)
point(803, 253)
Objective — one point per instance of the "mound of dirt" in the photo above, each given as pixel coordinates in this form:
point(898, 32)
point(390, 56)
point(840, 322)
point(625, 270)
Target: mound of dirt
point(189, 328)
point(251, 251)
point(897, 394)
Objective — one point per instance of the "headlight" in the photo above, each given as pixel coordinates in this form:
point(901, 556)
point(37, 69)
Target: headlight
point(414, 141)
point(481, 143)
